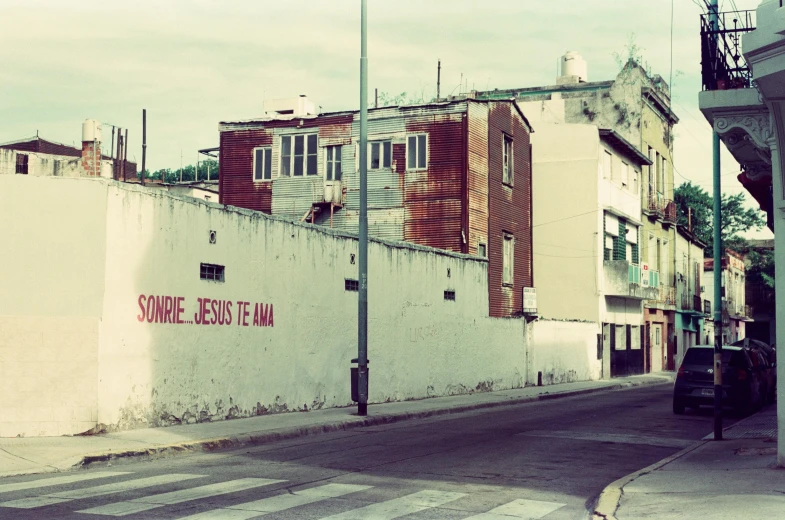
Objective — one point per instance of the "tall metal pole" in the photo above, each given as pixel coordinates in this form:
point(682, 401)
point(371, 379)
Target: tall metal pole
point(144, 141)
point(362, 311)
point(714, 21)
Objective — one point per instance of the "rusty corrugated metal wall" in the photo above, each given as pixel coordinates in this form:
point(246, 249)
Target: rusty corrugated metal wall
point(509, 209)
point(235, 181)
point(478, 176)
point(433, 199)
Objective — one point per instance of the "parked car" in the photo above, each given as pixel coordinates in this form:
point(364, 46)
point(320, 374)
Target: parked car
point(743, 381)
point(767, 362)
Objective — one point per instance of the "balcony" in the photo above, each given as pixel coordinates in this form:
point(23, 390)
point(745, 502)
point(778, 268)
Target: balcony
point(692, 302)
point(653, 204)
point(723, 66)
point(626, 280)
point(707, 310)
point(669, 212)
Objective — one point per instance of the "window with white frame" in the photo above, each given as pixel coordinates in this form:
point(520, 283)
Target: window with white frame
point(508, 258)
point(507, 160)
point(380, 155)
point(625, 174)
point(607, 165)
point(332, 169)
point(416, 152)
point(262, 164)
point(481, 250)
point(299, 155)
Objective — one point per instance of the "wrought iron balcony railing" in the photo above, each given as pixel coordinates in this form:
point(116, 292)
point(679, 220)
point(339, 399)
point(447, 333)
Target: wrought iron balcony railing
point(669, 211)
point(722, 64)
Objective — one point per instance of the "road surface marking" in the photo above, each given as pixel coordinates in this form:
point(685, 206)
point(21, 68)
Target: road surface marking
point(57, 481)
point(97, 491)
point(278, 503)
point(521, 509)
point(138, 505)
point(399, 506)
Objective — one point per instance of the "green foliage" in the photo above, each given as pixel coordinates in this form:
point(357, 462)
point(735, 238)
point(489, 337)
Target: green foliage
point(761, 267)
point(169, 175)
point(735, 218)
point(389, 100)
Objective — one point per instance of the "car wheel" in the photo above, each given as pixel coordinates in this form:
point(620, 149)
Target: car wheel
point(678, 406)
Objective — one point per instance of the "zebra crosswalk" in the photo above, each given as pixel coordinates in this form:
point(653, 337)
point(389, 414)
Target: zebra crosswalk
point(42, 496)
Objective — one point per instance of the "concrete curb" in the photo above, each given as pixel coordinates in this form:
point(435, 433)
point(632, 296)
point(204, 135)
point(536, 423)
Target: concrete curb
point(609, 499)
point(259, 438)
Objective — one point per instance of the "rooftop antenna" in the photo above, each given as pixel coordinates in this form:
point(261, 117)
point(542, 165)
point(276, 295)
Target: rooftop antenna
point(438, 79)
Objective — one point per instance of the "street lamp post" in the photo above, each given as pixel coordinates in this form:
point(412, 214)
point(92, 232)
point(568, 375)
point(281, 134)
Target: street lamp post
point(362, 311)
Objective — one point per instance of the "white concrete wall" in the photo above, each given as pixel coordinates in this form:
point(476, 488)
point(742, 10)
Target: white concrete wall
point(564, 351)
point(52, 285)
point(78, 349)
point(159, 373)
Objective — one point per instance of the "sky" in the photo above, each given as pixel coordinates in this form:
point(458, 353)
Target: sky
point(194, 63)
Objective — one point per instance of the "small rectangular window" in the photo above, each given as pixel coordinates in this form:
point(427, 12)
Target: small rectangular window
point(380, 155)
point(21, 164)
point(262, 164)
point(211, 272)
point(351, 285)
point(299, 155)
point(481, 250)
point(449, 296)
point(507, 161)
point(333, 169)
point(416, 152)
point(508, 256)
point(312, 154)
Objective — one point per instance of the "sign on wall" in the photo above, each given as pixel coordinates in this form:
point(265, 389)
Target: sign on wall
point(644, 274)
point(172, 309)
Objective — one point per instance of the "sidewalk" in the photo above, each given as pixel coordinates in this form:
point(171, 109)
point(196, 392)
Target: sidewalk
point(21, 456)
point(729, 479)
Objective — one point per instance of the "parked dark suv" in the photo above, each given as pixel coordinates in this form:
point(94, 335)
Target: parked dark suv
point(743, 381)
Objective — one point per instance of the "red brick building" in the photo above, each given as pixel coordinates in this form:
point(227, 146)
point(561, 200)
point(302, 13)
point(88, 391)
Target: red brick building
point(453, 175)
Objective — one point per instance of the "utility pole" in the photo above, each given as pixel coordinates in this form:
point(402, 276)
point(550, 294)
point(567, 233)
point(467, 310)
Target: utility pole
point(144, 141)
point(438, 79)
point(362, 311)
point(714, 21)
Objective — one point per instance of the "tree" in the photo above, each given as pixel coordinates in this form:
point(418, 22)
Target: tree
point(169, 175)
point(735, 218)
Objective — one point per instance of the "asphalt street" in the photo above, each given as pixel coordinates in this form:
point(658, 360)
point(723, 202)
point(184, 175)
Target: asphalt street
point(548, 460)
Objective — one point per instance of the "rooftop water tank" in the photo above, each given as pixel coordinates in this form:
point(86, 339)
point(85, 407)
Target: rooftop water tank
point(572, 64)
point(91, 130)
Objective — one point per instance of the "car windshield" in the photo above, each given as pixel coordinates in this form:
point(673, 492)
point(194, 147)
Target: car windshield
point(705, 357)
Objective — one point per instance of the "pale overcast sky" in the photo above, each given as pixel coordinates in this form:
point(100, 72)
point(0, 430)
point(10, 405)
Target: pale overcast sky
point(193, 63)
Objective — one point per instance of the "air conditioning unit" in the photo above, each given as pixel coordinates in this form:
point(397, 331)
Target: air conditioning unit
point(530, 300)
point(703, 288)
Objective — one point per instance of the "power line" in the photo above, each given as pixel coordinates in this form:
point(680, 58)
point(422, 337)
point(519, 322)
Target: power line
point(565, 218)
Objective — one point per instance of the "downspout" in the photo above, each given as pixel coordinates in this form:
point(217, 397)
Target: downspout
point(465, 183)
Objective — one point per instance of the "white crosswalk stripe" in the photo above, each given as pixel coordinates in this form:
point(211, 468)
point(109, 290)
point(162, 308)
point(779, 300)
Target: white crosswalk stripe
point(278, 503)
point(399, 506)
point(139, 505)
point(106, 489)
point(521, 509)
point(58, 481)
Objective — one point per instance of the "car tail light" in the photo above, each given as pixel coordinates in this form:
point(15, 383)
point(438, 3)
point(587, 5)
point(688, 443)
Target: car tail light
point(741, 374)
point(680, 373)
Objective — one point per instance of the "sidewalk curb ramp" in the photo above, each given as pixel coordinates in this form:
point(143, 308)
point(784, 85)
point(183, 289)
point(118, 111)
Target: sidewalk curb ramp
point(237, 441)
point(609, 499)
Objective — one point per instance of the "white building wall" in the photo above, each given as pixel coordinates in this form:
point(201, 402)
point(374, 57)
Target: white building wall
point(52, 286)
point(41, 164)
point(567, 221)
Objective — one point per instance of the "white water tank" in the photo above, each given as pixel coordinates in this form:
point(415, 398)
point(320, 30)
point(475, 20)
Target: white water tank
point(573, 64)
point(91, 131)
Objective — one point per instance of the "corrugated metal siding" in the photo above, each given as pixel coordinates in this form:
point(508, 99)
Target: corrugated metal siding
point(382, 223)
point(478, 175)
point(236, 184)
point(433, 199)
point(293, 196)
point(509, 210)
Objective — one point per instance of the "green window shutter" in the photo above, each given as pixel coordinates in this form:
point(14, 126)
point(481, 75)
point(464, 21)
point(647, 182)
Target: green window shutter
point(620, 243)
